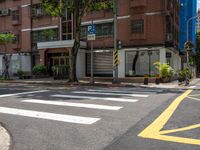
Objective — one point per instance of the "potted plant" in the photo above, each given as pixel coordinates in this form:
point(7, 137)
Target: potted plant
point(165, 71)
point(182, 74)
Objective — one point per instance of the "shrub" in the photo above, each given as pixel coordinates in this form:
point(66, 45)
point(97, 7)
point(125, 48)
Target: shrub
point(20, 73)
point(182, 74)
point(39, 70)
point(164, 69)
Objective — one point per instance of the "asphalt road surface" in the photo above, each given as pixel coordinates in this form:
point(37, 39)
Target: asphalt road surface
point(96, 118)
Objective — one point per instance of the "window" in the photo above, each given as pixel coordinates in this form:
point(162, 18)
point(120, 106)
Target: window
point(15, 15)
point(139, 63)
point(137, 26)
point(67, 26)
point(43, 36)
point(37, 11)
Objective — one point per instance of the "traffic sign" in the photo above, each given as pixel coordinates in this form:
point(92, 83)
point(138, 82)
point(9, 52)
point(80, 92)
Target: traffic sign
point(92, 29)
point(91, 36)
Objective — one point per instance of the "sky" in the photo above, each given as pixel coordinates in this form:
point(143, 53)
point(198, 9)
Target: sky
point(198, 3)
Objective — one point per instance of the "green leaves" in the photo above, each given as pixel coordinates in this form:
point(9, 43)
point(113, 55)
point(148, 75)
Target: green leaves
point(102, 5)
point(164, 69)
point(56, 8)
point(7, 38)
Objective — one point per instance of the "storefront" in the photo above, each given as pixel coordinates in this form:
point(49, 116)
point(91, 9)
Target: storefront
point(137, 62)
point(103, 63)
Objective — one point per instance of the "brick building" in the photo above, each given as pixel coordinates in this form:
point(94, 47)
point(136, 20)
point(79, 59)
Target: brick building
point(147, 29)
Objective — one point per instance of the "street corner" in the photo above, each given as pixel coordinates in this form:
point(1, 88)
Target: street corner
point(5, 139)
point(179, 123)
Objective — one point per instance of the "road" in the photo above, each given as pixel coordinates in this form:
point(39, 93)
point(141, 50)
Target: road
point(96, 118)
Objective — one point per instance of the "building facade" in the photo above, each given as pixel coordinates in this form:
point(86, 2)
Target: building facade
point(198, 21)
point(188, 9)
point(148, 31)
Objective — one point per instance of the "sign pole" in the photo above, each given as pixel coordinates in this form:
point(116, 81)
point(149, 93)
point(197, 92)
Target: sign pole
point(91, 37)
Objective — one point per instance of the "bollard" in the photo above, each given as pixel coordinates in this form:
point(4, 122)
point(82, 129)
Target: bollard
point(157, 79)
point(146, 79)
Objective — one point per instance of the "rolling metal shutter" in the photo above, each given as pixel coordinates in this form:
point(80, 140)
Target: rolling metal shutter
point(103, 64)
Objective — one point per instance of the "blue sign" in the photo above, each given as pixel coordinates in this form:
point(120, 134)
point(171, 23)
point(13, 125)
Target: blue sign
point(91, 29)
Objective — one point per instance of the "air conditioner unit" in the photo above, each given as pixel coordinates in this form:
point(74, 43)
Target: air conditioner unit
point(5, 12)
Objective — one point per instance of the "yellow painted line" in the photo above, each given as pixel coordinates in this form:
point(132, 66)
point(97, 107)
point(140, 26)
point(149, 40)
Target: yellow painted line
point(159, 123)
point(177, 139)
point(153, 131)
point(180, 129)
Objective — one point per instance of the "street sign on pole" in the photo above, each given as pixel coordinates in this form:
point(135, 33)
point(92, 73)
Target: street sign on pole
point(91, 36)
point(91, 33)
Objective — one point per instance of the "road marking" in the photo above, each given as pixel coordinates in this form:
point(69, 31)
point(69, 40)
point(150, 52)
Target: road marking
point(113, 94)
point(23, 93)
point(195, 95)
point(192, 87)
point(153, 131)
point(59, 103)
point(49, 116)
point(96, 98)
point(193, 98)
point(124, 92)
point(180, 129)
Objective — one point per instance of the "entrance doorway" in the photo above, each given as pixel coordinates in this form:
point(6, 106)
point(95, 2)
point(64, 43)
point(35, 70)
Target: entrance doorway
point(57, 59)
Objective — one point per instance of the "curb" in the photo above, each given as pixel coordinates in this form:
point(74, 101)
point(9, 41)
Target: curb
point(100, 84)
point(5, 139)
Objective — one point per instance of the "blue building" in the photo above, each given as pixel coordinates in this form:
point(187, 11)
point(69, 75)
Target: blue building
point(188, 9)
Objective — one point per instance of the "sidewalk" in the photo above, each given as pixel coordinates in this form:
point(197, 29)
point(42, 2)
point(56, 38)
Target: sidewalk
point(52, 82)
point(5, 139)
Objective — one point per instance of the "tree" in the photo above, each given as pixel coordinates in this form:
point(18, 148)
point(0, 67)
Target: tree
point(78, 8)
point(4, 40)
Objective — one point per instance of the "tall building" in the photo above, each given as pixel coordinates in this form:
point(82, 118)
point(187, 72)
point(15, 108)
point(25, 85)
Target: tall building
point(188, 9)
point(198, 21)
point(147, 30)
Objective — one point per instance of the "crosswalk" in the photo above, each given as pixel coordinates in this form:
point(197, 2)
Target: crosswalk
point(63, 99)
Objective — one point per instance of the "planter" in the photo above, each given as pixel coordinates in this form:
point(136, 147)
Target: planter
point(165, 80)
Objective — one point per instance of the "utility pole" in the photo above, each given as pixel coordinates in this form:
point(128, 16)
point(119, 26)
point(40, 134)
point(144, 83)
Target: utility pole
point(115, 52)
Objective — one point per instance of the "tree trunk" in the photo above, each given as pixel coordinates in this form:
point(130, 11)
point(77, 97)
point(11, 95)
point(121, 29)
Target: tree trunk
point(76, 47)
point(6, 62)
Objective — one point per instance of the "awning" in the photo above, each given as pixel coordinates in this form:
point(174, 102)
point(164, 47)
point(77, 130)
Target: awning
point(59, 44)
